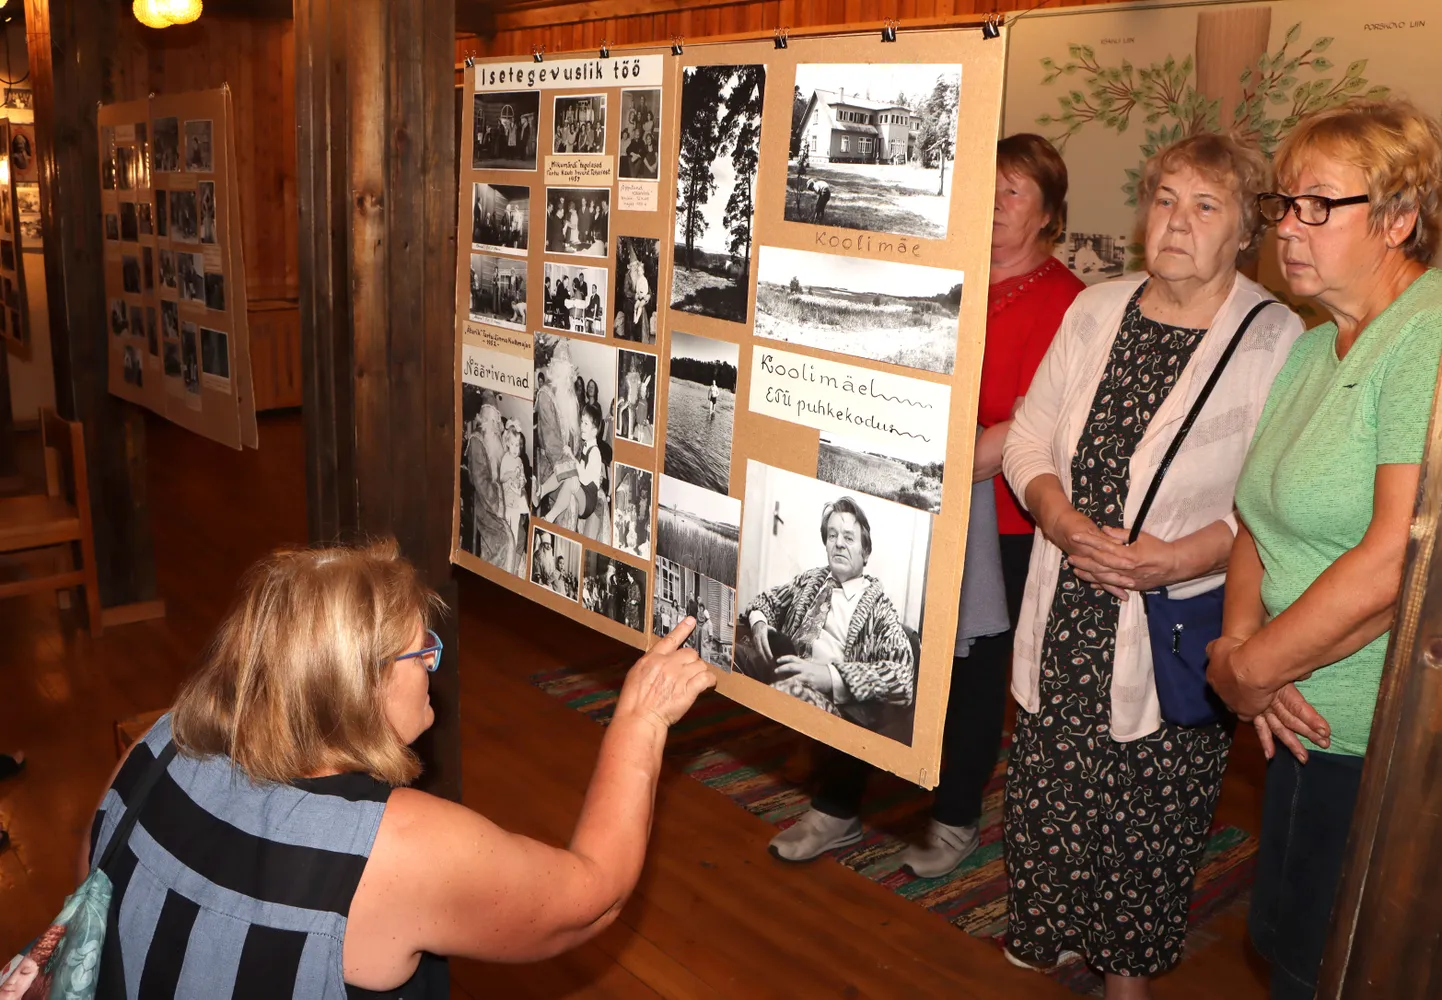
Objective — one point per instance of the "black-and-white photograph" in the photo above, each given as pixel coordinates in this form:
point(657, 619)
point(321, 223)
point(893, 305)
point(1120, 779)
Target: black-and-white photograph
point(172, 359)
point(199, 154)
point(162, 212)
point(125, 160)
point(137, 321)
point(505, 130)
point(169, 321)
point(190, 270)
point(572, 435)
point(574, 299)
point(7, 254)
point(190, 357)
point(152, 336)
point(615, 589)
point(19, 97)
point(638, 265)
point(498, 291)
point(716, 189)
point(119, 317)
point(698, 529)
point(555, 563)
point(12, 294)
point(496, 477)
point(112, 227)
point(872, 147)
point(146, 217)
point(130, 274)
point(184, 216)
point(578, 220)
point(167, 269)
point(638, 154)
point(579, 124)
point(1094, 257)
point(27, 199)
point(165, 150)
point(215, 290)
point(132, 366)
point(147, 261)
point(631, 507)
point(129, 222)
point(501, 217)
point(701, 410)
point(681, 592)
point(636, 397)
point(207, 211)
point(31, 233)
point(805, 539)
point(214, 353)
point(903, 314)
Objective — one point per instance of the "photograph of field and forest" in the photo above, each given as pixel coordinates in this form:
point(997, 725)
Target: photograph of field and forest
point(902, 314)
point(699, 530)
point(872, 146)
point(715, 189)
point(701, 411)
point(914, 480)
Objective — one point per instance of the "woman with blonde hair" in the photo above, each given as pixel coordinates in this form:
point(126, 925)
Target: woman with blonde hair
point(279, 853)
point(1327, 497)
point(1108, 800)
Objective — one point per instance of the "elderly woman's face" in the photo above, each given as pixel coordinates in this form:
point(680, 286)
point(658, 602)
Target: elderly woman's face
point(408, 691)
point(1017, 215)
point(1318, 260)
point(1193, 228)
point(843, 547)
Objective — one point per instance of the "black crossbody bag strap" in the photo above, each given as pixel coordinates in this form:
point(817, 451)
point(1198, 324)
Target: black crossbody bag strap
point(1191, 418)
point(136, 803)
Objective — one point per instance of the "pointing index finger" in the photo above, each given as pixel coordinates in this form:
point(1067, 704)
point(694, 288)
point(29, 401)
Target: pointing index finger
point(672, 640)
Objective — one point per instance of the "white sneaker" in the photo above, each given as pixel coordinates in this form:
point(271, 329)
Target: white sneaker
point(813, 835)
point(941, 850)
point(1062, 959)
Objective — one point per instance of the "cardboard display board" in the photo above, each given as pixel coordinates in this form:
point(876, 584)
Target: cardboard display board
point(174, 270)
point(1250, 67)
point(786, 441)
point(16, 158)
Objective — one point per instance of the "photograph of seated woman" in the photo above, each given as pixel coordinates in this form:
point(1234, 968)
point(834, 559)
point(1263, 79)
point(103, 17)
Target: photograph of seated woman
point(572, 483)
point(281, 833)
point(830, 636)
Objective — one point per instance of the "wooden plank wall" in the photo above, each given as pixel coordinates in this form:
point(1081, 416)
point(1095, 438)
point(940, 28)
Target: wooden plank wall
point(563, 27)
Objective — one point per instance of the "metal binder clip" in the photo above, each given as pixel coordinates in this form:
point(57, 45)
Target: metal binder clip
point(991, 27)
point(470, 61)
point(888, 29)
point(538, 53)
point(677, 46)
point(605, 49)
point(781, 38)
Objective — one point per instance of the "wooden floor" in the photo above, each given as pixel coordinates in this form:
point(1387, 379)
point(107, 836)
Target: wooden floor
point(714, 916)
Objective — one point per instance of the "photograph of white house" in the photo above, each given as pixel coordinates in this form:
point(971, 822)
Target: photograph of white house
point(872, 147)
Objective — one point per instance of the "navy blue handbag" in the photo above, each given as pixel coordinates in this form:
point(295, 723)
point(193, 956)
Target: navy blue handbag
point(1181, 628)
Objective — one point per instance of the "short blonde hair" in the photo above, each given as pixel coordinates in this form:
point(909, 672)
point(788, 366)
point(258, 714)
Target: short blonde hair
point(1397, 148)
point(294, 681)
point(1225, 159)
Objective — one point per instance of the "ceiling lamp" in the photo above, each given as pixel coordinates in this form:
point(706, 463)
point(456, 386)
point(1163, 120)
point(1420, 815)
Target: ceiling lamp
point(179, 11)
point(147, 12)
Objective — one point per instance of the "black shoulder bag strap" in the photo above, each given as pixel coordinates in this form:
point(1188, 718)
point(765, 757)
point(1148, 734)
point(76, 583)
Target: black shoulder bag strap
point(1195, 412)
point(142, 791)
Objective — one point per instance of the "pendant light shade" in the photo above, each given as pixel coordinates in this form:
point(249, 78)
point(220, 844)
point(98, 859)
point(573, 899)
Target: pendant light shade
point(179, 11)
point(148, 13)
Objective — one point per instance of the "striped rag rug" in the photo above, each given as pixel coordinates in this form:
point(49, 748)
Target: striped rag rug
point(746, 757)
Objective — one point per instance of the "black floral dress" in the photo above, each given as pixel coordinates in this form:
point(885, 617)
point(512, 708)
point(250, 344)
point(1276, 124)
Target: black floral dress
point(1103, 838)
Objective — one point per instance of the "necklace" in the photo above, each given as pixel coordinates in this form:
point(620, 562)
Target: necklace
point(1025, 282)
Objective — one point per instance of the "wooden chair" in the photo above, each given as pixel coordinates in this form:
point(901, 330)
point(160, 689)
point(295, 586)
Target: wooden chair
point(58, 517)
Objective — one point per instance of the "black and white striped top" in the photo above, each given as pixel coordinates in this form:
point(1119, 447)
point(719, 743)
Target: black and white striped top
point(232, 889)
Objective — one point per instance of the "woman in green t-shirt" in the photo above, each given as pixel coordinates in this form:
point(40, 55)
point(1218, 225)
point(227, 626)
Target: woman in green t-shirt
point(1326, 497)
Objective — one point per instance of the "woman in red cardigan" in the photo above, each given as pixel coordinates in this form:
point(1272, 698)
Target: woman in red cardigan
point(1030, 291)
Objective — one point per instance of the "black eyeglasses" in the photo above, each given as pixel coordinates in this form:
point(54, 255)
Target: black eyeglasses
point(1310, 209)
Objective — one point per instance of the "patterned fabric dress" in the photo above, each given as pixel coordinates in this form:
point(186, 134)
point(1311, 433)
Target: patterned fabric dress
point(1103, 838)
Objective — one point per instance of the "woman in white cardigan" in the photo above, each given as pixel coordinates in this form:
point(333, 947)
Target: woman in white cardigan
point(1107, 806)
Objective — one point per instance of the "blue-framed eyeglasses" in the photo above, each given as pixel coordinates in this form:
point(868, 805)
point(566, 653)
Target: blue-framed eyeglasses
point(434, 651)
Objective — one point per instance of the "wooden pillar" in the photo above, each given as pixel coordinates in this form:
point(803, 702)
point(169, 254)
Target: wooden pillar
point(69, 43)
point(8, 468)
point(376, 176)
point(1387, 919)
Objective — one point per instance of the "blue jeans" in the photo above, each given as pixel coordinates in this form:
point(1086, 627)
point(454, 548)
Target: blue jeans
point(1306, 813)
